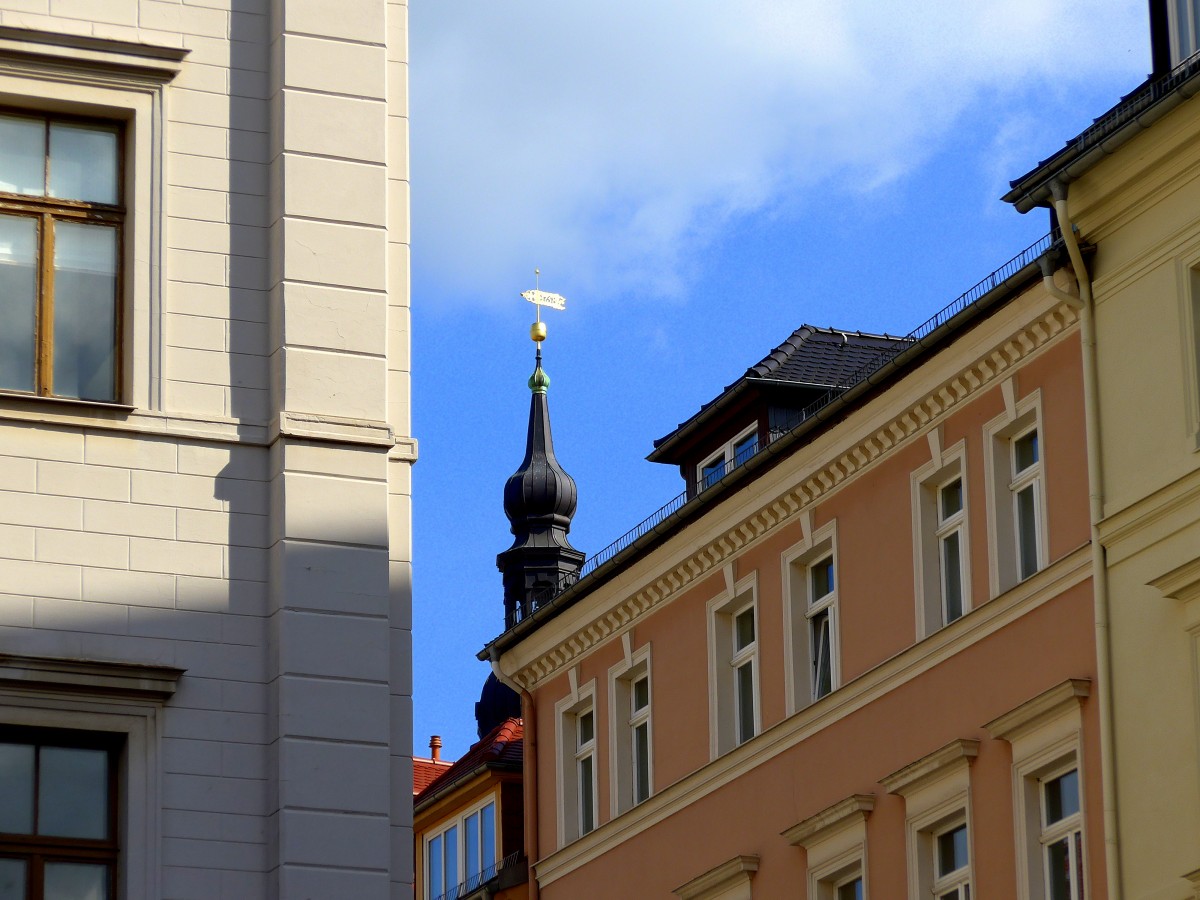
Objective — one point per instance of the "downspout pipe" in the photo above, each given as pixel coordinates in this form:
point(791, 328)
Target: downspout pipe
point(529, 788)
point(1091, 407)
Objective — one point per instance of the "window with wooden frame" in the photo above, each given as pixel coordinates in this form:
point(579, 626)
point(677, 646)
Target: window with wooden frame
point(58, 818)
point(62, 215)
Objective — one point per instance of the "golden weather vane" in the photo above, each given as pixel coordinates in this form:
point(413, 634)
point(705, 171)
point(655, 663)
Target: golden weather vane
point(540, 298)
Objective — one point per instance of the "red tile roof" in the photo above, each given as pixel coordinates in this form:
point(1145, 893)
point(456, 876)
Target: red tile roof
point(426, 772)
point(501, 748)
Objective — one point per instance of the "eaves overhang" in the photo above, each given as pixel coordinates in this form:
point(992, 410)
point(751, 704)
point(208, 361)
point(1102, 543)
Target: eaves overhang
point(769, 456)
point(436, 792)
point(1136, 112)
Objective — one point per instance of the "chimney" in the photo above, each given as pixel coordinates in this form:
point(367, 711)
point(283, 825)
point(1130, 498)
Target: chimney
point(435, 747)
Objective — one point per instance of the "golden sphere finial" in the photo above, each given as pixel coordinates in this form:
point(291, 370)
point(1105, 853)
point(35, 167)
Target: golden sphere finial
point(537, 332)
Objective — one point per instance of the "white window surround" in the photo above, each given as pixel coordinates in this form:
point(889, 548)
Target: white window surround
point(797, 608)
point(722, 683)
point(728, 881)
point(566, 715)
point(116, 698)
point(836, 843)
point(727, 454)
point(1045, 734)
point(459, 823)
point(634, 665)
point(930, 529)
point(937, 796)
point(1189, 317)
point(1002, 482)
point(125, 82)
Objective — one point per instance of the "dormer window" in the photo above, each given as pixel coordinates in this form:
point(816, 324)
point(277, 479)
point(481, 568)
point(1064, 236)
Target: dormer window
point(730, 456)
point(1184, 19)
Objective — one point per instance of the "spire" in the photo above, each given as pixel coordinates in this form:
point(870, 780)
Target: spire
point(539, 500)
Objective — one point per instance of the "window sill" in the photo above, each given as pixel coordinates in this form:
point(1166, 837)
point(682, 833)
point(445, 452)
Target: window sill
point(69, 403)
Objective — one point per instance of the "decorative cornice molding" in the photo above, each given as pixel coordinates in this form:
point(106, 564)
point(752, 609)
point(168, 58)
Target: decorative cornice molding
point(42, 673)
point(1046, 705)
point(937, 764)
point(1182, 583)
point(727, 875)
point(851, 811)
point(908, 424)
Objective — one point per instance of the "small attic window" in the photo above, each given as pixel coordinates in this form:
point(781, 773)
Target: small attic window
point(730, 456)
point(1184, 19)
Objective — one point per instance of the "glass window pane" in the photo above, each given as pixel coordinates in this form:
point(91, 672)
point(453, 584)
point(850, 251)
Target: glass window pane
point(83, 162)
point(952, 850)
point(22, 155)
point(641, 762)
point(587, 812)
point(1187, 43)
point(18, 300)
point(1027, 540)
point(822, 578)
point(1058, 866)
point(73, 792)
point(822, 670)
point(851, 890)
point(434, 868)
point(450, 849)
point(587, 727)
point(75, 881)
point(745, 697)
point(471, 837)
point(712, 472)
point(16, 789)
point(12, 879)
point(951, 498)
point(85, 310)
point(487, 835)
point(743, 629)
point(952, 576)
point(641, 694)
point(1025, 451)
point(1062, 797)
point(744, 449)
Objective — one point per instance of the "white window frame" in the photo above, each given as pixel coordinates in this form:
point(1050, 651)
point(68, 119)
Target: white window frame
point(937, 798)
point(730, 459)
point(836, 843)
point(459, 821)
point(122, 82)
point(1066, 827)
point(566, 715)
point(930, 531)
point(1004, 483)
point(1046, 736)
point(799, 608)
point(623, 723)
point(723, 661)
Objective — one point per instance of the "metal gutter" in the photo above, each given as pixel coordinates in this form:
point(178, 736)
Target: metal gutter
point(757, 464)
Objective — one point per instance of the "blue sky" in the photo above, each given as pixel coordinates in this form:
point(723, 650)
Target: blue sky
point(698, 179)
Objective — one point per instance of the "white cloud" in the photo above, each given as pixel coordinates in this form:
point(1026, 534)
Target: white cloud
point(614, 140)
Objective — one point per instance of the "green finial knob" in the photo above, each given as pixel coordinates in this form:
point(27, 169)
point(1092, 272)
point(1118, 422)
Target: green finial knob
point(539, 381)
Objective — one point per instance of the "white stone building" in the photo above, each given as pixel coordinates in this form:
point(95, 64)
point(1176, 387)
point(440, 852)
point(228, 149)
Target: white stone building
point(204, 449)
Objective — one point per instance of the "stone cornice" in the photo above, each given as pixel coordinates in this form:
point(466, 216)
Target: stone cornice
point(986, 370)
point(49, 673)
point(850, 811)
point(929, 768)
point(726, 875)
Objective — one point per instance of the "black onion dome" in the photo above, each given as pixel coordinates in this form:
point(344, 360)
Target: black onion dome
point(497, 703)
point(540, 492)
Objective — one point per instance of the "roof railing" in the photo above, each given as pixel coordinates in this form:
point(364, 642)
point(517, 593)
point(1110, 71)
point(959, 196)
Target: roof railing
point(880, 359)
point(475, 882)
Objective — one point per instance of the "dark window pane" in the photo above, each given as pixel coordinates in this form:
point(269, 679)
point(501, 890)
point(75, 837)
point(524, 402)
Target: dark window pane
point(73, 792)
point(587, 727)
point(822, 578)
point(471, 837)
point(12, 879)
point(851, 890)
point(822, 668)
point(16, 788)
point(18, 300)
point(744, 449)
point(952, 850)
point(641, 762)
point(85, 310)
point(450, 848)
point(83, 163)
point(1027, 539)
point(641, 693)
point(951, 498)
point(1025, 451)
point(745, 695)
point(712, 472)
point(75, 881)
point(743, 628)
point(22, 155)
point(1058, 859)
point(587, 811)
point(952, 575)
point(1062, 797)
point(434, 867)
